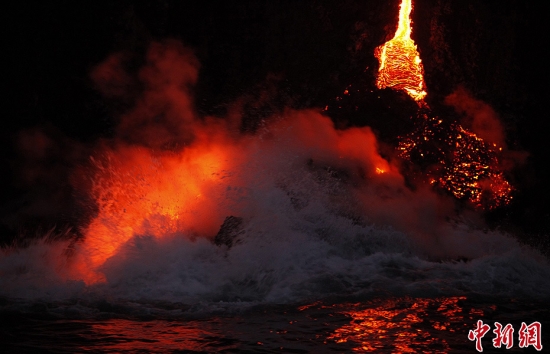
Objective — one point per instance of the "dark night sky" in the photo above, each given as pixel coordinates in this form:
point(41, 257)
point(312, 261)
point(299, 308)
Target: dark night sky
point(308, 50)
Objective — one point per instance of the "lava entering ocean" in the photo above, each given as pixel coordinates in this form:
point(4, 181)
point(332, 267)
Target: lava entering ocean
point(469, 166)
point(156, 186)
point(170, 178)
point(269, 227)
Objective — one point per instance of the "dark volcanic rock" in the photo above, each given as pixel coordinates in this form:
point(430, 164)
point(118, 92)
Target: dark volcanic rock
point(231, 228)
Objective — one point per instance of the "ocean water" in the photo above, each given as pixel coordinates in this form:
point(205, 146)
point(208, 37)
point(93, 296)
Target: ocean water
point(389, 324)
point(366, 290)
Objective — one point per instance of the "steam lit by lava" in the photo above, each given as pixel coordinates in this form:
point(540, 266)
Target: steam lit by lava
point(400, 64)
point(141, 187)
point(171, 173)
point(468, 166)
point(139, 192)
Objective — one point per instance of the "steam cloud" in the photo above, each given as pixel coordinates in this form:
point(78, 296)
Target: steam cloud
point(481, 118)
point(170, 174)
point(478, 116)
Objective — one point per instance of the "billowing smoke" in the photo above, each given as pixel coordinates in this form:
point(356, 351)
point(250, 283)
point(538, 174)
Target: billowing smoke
point(169, 170)
point(163, 113)
point(298, 191)
point(479, 117)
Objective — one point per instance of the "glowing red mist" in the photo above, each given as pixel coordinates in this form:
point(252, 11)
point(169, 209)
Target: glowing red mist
point(169, 171)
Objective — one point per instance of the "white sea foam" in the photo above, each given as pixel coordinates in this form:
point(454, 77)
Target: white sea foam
point(291, 250)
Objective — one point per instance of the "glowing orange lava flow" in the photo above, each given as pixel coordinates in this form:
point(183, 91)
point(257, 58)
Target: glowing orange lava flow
point(400, 64)
point(459, 161)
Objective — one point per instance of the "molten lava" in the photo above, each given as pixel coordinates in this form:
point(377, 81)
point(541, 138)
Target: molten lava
point(473, 172)
point(453, 157)
point(458, 161)
point(400, 64)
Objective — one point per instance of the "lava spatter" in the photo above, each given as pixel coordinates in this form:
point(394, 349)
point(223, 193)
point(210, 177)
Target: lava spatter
point(454, 158)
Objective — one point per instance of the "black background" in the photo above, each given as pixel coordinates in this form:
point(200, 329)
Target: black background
point(304, 52)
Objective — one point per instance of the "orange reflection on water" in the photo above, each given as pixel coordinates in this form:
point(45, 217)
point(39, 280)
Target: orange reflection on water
point(120, 335)
point(403, 327)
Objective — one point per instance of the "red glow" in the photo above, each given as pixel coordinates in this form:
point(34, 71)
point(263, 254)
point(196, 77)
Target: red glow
point(123, 335)
point(140, 192)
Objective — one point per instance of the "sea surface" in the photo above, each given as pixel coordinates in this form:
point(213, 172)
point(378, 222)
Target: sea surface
point(390, 325)
point(362, 293)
